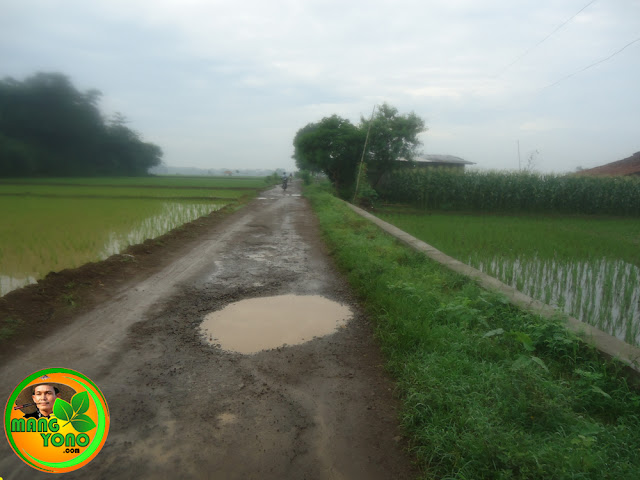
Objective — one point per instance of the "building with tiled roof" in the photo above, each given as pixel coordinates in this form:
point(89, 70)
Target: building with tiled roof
point(626, 167)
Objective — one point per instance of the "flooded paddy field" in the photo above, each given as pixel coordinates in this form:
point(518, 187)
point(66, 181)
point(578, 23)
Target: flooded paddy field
point(52, 224)
point(589, 267)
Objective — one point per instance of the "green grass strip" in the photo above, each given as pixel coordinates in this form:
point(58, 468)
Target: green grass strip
point(487, 390)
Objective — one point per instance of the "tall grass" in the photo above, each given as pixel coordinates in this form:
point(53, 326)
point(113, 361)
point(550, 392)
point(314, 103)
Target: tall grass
point(488, 391)
point(439, 188)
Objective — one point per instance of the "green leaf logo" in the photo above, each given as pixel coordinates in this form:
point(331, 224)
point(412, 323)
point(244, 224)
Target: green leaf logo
point(74, 412)
point(80, 402)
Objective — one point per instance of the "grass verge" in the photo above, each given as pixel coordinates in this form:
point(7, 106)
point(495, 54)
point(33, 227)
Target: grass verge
point(488, 391)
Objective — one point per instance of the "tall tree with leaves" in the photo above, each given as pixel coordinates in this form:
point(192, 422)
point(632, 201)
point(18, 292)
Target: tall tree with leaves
point(49, 128)
point(332, 146)
point(392, 137)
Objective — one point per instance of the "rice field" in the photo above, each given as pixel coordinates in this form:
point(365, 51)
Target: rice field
point(589, 267)
point(52, 224)
point(488, 390)
point(156, 182)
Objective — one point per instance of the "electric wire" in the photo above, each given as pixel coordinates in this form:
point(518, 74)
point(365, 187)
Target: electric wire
point(592, 65)
point(526, 52)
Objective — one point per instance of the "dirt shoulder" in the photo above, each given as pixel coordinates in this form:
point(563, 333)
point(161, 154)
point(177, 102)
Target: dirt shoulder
point(35, 311)
point(182, 408)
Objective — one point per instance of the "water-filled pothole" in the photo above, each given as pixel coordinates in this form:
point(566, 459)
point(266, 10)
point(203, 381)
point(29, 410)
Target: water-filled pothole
point(256, 324)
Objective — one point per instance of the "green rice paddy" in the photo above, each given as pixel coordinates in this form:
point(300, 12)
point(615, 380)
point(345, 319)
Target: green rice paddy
point(587, 266)
point(52, 224)
point(158, 181)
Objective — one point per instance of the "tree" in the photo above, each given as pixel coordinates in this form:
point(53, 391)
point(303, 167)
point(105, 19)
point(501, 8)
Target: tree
point(392, 137)
point(49, 128)
point(332, 146)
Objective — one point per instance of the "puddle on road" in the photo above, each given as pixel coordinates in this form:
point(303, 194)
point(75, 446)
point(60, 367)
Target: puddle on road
point(259, 324)
point(227, 418)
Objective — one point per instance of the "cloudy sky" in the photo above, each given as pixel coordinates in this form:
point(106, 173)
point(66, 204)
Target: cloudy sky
point(222, 84)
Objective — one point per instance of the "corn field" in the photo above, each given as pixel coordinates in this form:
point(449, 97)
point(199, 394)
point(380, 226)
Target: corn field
point(446, 189)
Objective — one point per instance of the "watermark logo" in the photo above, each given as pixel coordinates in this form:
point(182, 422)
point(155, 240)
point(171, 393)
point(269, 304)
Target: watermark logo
point(56, 420)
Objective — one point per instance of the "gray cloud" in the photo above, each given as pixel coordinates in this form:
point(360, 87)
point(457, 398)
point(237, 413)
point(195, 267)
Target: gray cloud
point(229, 83)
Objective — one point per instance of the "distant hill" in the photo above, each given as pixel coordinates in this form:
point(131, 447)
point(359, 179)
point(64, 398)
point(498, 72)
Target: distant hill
point(625, 167)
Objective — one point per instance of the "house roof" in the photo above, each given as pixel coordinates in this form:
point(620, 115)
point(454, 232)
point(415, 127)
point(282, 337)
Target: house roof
point(627, 166)
point(432, 158)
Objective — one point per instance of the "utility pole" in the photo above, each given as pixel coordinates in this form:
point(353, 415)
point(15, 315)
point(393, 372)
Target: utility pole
point(364, 149)
point(519, 168)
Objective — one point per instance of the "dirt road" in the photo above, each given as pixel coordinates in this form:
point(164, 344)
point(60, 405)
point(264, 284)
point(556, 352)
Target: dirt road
point(182, 408)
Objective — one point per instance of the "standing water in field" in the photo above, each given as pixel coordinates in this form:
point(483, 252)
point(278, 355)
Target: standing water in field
point(603, 293)
point(259, 324)
point(172, 215)
point(48, 239)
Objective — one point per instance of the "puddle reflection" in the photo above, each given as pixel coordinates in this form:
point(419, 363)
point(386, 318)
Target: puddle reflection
point(256, 324)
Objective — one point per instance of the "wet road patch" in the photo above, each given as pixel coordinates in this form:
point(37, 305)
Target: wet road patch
point(257, 324)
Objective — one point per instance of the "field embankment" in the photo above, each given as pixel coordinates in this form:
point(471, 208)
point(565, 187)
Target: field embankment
point(489, 391)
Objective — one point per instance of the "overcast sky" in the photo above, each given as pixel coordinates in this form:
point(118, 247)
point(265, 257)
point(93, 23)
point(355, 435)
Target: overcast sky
point(227, 84)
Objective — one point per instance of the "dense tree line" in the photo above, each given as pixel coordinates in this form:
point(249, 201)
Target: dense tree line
point(335, 146)
point(49, 128)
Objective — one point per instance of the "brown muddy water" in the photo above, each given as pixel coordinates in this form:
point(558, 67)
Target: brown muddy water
point(257, 324)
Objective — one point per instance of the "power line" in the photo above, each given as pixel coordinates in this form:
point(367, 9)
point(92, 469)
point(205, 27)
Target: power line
point(593, 64)
point(526, 52)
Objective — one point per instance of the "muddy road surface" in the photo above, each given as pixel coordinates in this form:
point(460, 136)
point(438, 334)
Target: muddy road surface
point(183, 406)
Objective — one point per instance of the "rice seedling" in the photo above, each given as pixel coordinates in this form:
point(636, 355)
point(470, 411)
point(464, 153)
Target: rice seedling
point(587, 266)
point(39, 236)
point(133, 192)
point(612, 302)
point(52, 224)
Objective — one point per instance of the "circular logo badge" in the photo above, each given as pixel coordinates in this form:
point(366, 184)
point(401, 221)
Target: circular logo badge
point(56, 420)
